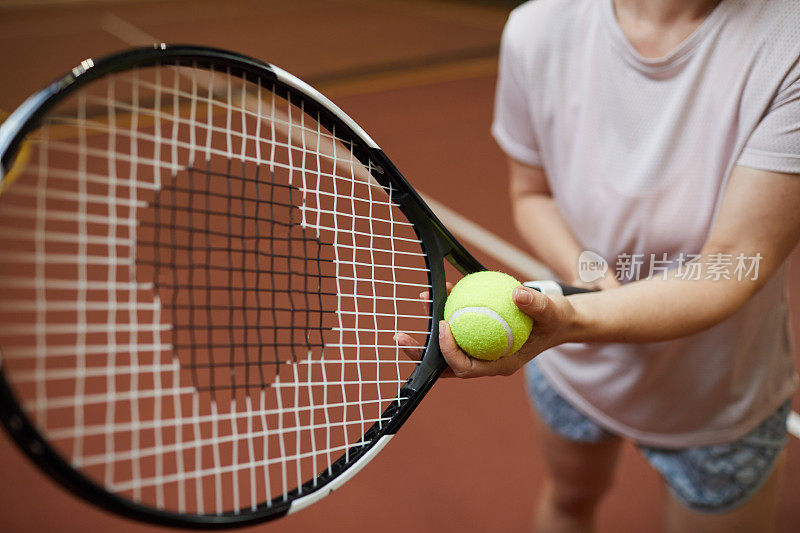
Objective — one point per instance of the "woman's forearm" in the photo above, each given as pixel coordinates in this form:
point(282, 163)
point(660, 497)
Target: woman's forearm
point(541, 225)
point(758, 217)
point(539, 220)
point(656, 309)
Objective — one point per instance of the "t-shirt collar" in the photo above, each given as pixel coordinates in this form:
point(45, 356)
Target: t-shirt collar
point(676, 56)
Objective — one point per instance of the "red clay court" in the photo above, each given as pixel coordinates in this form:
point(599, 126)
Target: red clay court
point(419, 77)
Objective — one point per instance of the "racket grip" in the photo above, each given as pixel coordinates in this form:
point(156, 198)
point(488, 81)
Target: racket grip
point(550, 288)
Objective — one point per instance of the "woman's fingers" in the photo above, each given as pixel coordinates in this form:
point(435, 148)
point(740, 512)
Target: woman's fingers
point(536, 305)
point(459, 362)
point(409, 346)
point(425, 295)
point(414, 350)
point(464, 366)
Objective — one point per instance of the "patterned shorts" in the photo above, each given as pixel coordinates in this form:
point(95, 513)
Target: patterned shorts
point(707, 479)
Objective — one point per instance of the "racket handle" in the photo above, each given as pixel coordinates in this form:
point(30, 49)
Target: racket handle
point(550, 288)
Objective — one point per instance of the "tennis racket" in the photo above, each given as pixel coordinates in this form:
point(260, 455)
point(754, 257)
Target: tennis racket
point(203, 262)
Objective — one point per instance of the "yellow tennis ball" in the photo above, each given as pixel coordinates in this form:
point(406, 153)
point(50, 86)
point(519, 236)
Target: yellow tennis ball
point(484, 320)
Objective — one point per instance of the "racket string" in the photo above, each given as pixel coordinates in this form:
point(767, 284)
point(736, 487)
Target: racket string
point(203, 285)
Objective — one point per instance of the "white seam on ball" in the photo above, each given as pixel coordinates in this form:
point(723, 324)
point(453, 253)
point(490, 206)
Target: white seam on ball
point(491, 313)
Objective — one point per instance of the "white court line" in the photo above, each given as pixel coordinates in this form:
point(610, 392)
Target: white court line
point(125, 31)
point(460, 226)
point(488, 242)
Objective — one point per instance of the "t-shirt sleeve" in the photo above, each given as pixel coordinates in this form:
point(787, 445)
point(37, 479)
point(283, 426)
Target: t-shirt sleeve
point(512, 127)
point(774, 145)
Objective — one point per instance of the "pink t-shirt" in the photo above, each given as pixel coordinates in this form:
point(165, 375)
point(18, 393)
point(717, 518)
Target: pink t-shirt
point(637, 152)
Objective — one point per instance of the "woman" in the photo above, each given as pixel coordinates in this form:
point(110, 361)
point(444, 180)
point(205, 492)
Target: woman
point(665, 132)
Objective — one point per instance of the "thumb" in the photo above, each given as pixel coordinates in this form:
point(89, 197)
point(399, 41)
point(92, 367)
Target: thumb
point(534, 304)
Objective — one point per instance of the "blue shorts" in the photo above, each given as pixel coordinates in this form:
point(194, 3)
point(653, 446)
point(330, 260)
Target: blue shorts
point(707, 479)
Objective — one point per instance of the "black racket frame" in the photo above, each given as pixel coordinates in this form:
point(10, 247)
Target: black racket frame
point(438, 244)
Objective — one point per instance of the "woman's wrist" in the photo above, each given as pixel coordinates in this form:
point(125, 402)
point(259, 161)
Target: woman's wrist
point(581, 323)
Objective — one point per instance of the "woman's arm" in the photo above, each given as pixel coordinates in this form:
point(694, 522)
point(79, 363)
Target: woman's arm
point(542, 226)
point(759, 214)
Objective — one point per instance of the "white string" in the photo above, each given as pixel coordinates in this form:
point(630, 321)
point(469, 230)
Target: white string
point(89, 177)
point(262, 413)
point(396, 268)
point(132, 295)
point(218, 472)
point(234, 437)
point(96, 178)
point(297, 381)
point(395, 298)
point(292, 129)
point(198, 461)
point(72, 305)
point(55, 194)
point(326, 414)
point(98, 274)
point(57, 215)
point(248, 402)
point(61, 402)
point(42, 236)
point(251, 457)
point(67, 433)
point(176, 399)
point(223, 106)
point(214, 418)
point(61, 374)
point(156, 336)
point(365, 234)
point(295, 387)
point(79, 397)
point(19, 281)
point(339, 315)
point(375, 298)
point(39, 283)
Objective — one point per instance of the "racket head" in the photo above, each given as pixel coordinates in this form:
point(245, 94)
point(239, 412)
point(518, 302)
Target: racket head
point(378, 175)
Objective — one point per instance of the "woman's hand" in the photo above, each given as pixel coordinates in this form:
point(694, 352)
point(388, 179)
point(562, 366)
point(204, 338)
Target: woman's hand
point(411, 347)
point(552, 318)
